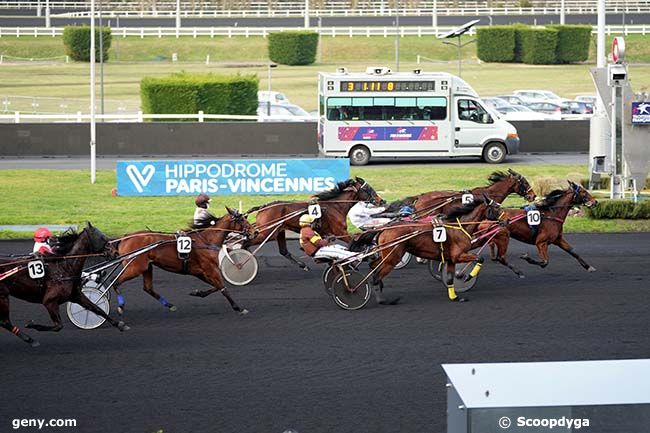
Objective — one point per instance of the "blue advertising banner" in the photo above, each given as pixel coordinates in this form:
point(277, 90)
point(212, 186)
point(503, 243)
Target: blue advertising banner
point(223, 177)
point(640, 113)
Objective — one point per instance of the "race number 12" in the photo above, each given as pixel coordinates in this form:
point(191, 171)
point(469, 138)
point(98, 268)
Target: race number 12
point(36, 269)
point(533, 217)
point(184, 244)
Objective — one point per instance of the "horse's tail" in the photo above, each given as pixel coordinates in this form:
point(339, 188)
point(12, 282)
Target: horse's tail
point(364, 240)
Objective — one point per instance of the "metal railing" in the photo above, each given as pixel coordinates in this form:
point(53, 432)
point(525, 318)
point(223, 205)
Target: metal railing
point(138, 117)
point(39, 105)
point(230, 32)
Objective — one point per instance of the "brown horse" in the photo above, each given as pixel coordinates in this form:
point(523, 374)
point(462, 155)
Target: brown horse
point(207, 237)
point(276, 217)
point(554, 210)
point(437, 202)
point(417, 238)
point(61, 282)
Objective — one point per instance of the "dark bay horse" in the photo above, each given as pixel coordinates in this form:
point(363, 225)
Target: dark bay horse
point(202, 262)
point(554, 209)
point(61, 283)
point(276, 217)
point(437, 202)
point(417, 238)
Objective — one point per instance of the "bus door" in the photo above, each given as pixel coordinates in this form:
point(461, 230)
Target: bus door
point(472, 123)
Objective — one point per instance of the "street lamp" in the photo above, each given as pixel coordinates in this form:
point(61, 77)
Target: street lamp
point(93, 134)
point(271, 65)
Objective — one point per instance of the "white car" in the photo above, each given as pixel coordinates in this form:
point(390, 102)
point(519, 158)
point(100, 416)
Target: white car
point(272, 97)
point(539, 95)
point(520, 112)
point(282, 113)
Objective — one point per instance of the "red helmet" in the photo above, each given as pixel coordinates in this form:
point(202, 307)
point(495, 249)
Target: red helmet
point(41, 234)
point(202, 199)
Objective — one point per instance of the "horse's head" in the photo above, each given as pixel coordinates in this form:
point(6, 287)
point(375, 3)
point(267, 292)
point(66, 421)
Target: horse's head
point(522, 187)
point(239, 223)
point(99, 243)
point(581, 195)
point(493, 211)
point(365, 192)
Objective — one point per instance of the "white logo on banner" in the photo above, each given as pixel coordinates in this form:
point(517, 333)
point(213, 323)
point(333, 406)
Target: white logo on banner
point(139, 178)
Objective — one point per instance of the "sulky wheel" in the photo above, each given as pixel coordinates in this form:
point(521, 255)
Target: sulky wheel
point(349, 291)
point(238, 267)
point(84, 319)
point(329, 274)
point(404, 261)
point(437, 270)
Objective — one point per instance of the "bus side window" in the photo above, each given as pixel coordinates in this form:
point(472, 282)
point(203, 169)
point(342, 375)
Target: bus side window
point(333, 114)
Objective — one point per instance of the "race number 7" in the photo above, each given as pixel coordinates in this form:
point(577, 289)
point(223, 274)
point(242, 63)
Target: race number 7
point(439, 234)
point(36, 269)
point(314, 210)
point(533, 217)
point(184, 244)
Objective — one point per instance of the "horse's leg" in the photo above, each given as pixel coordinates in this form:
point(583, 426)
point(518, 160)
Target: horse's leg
point(133, 269)
point(384, 269)
point(542, 251)
point(81, 299)
point(451, 291)
point(213, 277)
point(6, 323)
point(281, 239)
point(52, 307)
point(147, 281)
point(562, 243)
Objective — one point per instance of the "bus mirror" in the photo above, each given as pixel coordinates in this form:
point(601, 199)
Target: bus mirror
point(417, 71)
point(341, 70)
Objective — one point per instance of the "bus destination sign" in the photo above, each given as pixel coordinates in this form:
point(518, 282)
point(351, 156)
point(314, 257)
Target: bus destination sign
point(388, 86)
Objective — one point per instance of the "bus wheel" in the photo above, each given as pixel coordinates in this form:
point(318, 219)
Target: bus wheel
point(494, 153)
point(359, 155)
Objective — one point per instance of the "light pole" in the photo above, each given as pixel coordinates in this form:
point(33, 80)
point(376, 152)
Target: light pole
point(101, 59)
point(306, 14)
point(397, 36)
point(562, 15)
point(178, 16)
point(93, 134)
point(271, 65)
point(47, 13)
point(434, 16)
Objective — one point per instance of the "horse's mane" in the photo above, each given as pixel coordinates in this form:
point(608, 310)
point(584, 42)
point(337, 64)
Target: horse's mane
point(205, 222)
point(463, 210)
point(63, 243)
point(497, 176)
point(334, 192)
point(396, 205)
point(551, 198)
point(262, 206)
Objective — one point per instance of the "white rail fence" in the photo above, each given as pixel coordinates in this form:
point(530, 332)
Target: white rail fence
point(230, 32)
point(138, 117)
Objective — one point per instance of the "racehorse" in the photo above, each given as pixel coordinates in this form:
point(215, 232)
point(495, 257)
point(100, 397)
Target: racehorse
point(61, 282)
point(553, 209)
point(276, 217)
point(437, 202)
point(417, 238)
point(207, 236)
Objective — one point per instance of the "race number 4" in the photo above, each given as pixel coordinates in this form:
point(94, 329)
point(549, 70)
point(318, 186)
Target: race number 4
point(36, 269)
point(314, 210)
point(533, 217)
point(467, 199)
point(439, 234)
point(184, 244)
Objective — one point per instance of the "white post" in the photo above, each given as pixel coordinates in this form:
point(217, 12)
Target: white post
point(178, 16)
point(562, 15)
point(93, 174)
point(600, 41)
point(47, 13)
point(306, 14)
point(612, 149)
point(434, 15)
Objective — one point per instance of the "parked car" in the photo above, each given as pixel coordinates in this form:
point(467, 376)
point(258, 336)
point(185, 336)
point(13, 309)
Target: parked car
point(576, 110)
point(539, 95)
point(520, 112)
point(552, 109)
point(282, 113)
point(272, 97)
point(512, 99)
point(495, 102)
point(590, 99)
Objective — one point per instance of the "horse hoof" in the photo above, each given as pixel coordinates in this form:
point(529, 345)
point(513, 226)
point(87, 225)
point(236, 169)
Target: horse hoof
point(522, 276)
point(243, 312)
point(195, 293)
point(591, 269)
point(390, 301)
point(524, 256)
point(120, 310)
point(459, 300)
point(305, 268)
point(34, 343)
point(122, 326)
point(172, 308)
point(29, 324)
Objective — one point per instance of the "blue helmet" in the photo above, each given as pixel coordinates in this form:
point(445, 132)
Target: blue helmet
point(406, 210)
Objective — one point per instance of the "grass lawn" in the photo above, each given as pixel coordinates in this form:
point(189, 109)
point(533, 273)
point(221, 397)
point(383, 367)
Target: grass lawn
point(247, 55)
point(67, 197)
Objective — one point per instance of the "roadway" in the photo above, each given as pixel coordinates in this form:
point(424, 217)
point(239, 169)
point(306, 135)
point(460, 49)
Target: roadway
point(425, 20)
point(297, 361)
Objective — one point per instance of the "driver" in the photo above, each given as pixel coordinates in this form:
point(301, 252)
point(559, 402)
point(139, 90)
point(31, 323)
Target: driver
point(201, 213)
point(366, 216)
point(317, 247)
point(42, 237)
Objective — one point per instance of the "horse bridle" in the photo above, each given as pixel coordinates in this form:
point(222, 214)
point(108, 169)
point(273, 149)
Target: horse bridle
point(520, 186)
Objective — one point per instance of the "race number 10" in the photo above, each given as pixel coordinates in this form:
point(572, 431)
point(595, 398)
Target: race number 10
point(184, 244)
point(36, 269)
point(314, 210)
point(533, 217)
point(439, 234)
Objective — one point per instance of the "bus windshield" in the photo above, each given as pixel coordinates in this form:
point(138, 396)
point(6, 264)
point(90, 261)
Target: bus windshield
point(387, 108)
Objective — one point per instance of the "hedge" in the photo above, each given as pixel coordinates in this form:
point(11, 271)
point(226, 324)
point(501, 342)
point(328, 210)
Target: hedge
point(538, 45)
point(188, 94)
point(518, 50)
point(77, 42)
point(496, 43)
point(620, 209)
point(293, 48)
point(573, 43)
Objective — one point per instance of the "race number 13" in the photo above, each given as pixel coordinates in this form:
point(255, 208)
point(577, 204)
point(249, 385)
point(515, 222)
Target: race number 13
point(534, 217)
point(184, 244)
point(314, 210)
point(36, 269)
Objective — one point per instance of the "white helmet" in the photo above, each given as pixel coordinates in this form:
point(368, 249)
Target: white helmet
point(306, 220)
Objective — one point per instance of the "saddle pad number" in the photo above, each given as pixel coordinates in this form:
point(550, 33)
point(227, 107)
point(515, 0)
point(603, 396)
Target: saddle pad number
point(439, 234)
point(36, 269)
point(184, 244)
point(314, 210)
point(533, 217)
point(467, 199)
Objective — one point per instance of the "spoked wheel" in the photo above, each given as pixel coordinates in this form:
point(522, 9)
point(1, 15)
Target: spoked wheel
point(349, 292)
point(238, 267)
point(84, 319)
point(404, 261)
point(329, 274)
point(96, 279)
point(438, 271)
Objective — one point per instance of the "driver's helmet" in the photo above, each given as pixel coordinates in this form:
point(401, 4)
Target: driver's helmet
point(406, 210)
point(306, 220)
point(202, 200)
point(42, 234)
